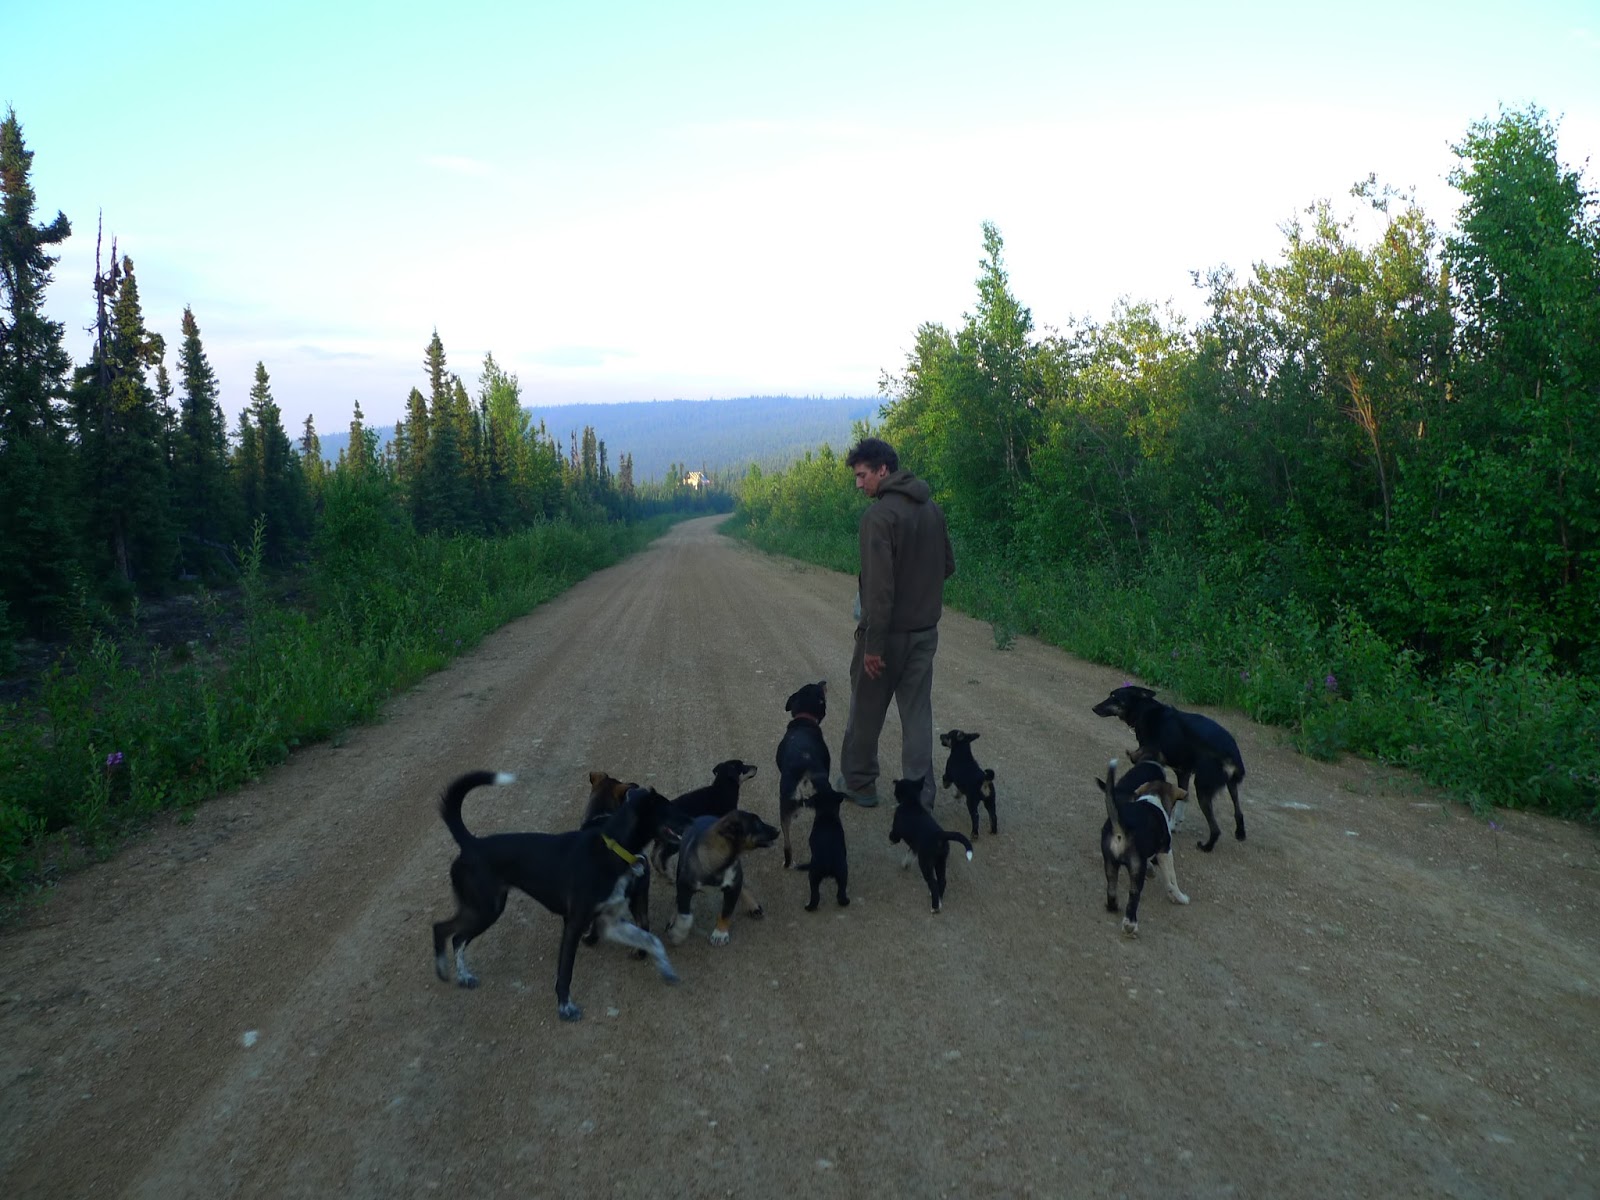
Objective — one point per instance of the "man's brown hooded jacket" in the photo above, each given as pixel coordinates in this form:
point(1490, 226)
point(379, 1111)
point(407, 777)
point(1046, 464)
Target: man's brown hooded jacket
point(905, 559)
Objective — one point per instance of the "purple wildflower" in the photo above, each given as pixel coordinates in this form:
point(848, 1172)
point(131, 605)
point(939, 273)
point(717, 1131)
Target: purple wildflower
point(114, 759)
point(1331, 683)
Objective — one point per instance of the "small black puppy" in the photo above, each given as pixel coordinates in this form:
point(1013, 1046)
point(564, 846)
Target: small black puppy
point(716, 799)
point(803, 759)
point(586, 877)
point(961, 771)
point(1194, 746)
point(924, 837)
point(719, 797)
point(1137, 835)
point(828, 859)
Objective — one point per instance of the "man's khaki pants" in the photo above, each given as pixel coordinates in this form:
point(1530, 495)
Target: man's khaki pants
point(907, 678)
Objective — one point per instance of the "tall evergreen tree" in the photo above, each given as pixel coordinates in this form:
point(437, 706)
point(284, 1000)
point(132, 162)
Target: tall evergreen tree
point(360, 455)
point(282, 484)
point(206, 505)
point(35, 476)
point(506, 444)
point(246, 469)
point(120, 429)
point(410, 445)
point(314, 466)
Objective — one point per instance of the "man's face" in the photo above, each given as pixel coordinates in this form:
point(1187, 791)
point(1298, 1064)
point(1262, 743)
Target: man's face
point(868, 478)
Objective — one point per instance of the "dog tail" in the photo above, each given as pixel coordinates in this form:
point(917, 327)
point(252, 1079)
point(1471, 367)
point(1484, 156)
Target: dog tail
point(952, 836)
point(1110, 790)
point(450, 802)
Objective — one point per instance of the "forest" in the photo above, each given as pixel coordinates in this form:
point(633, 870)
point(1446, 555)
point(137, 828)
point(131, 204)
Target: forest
point(303, 591)
point(1360, 498)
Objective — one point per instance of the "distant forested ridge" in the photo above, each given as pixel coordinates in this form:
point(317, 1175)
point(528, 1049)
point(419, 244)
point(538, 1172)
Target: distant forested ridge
point(711, 435)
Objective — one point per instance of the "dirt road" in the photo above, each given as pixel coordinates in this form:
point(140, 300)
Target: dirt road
point(1375, 995)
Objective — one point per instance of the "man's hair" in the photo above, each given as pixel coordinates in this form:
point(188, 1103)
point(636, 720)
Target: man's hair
point(875, 453)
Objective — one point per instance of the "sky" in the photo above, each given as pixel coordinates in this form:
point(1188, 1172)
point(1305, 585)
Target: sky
point(630, 201)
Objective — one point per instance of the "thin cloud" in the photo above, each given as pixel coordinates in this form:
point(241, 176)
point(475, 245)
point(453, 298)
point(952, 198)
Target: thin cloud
point(577, 356)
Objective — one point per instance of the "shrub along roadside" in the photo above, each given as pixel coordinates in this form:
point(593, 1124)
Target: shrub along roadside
point(1518, 733)
point(109, 742)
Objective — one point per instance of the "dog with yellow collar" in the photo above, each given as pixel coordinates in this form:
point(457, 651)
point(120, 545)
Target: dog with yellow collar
point(592, 878)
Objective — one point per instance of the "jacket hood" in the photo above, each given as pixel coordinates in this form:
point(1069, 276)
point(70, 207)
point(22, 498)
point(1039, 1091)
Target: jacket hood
point(907, 485)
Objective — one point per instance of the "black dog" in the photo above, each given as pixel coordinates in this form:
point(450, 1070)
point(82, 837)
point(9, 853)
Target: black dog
point(716, 799)
point(924, 837)
point(803, 760)
point(962, 772)
point(583, 877)
point(828, 860)
point(1137, 834)
point(710, 857)
point(1192, 745)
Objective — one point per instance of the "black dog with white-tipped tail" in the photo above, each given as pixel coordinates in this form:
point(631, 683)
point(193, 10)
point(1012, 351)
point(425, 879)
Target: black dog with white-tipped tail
point(923, 836)
point(582, 876)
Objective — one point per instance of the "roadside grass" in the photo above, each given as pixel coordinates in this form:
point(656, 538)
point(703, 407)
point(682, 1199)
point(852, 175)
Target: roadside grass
point(1514, 734)
point(105, 742)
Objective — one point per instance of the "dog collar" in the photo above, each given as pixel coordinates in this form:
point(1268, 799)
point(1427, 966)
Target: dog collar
point(619, 850)
point(805, 716)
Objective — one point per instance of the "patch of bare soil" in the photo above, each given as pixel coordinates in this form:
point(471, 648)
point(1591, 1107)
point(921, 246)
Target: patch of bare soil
point(1376, 994)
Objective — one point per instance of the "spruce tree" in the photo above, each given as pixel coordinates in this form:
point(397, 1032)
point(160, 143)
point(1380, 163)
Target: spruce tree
point(205, 504)
point(120, 427)
point(282, 496)
point(312, 464)
point(35, 464)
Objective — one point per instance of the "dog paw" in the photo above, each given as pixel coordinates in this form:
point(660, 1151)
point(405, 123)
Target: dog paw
point(755, 914)
point(844, 901)
point(812, 907)
point(569, 1011)
point(1130, 929)
point(719, 937)
point(467, 980)
point(1178, 898)
point(668, 975)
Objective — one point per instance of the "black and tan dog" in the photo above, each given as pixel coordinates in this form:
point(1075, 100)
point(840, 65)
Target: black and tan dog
point(1194, 746)
point(925, 839)
point(1137, 834)
point(710, 856)
point(586, 877)
point(803, 759)
point(961, 771)
point(828, 859)
point(606, 794)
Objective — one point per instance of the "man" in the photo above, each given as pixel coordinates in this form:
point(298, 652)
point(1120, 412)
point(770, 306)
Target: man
point(905, 559)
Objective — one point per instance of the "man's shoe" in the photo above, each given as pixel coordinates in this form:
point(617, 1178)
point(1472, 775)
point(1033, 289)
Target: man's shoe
point(864, 799)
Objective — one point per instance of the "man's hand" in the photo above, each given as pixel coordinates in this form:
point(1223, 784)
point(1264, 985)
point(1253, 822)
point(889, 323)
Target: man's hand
point(872, 664)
